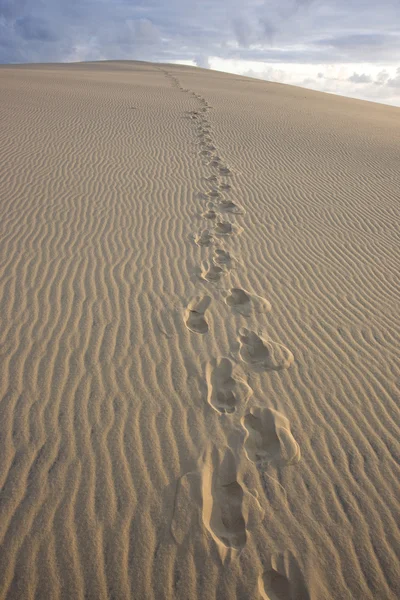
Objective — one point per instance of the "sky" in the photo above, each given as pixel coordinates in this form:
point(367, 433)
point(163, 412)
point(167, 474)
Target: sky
point(347, 47)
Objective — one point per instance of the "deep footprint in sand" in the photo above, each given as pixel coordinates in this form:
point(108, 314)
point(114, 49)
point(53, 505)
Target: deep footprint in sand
point(283, 580)
point(263, 354)
point(194, 315)
point(269, 438)
point(214, 193)
point(212, 179)
point(225, 391)
point(223, 502)
point(204, 238)
point(223, 228)
point(231, 207)
point(215, 162)
point(222, 257)
point(212, 272)
point(245, 303)
point(224, 170)
point(210, 213)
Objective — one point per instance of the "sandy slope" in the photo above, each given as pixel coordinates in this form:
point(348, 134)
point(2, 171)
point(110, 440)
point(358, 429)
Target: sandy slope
point(199, 331)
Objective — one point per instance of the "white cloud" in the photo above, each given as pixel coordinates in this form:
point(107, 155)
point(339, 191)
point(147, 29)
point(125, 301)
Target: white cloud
point(336, 79)
point(395, 82)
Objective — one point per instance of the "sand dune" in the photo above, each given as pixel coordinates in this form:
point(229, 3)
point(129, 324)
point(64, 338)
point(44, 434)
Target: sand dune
point(199, 302)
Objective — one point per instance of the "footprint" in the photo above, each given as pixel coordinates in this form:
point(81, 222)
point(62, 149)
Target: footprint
point(205, 238)
point(283, 580)
point(231, 207)
point(256, 351)
point(205, 153)
point(269, 439)
point(223, 228)
point(224, 170)
point(214, 193)
point(245, 303)
point(223, 502)
point(210, 212)
point(225, 392)
point(226, 187)
point(215, 162)
point(212, 272)
point(212, 178)
point(194, 315)
point(222, 257)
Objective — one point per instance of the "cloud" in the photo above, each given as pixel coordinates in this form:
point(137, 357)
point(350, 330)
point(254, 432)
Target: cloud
point(395, 82)
point(382, 78)
point(202, 61)
point(318, 33)
point(31, 28)
point(363, 78)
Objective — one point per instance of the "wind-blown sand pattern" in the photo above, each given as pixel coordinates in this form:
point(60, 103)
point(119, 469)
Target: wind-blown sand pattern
point(186, 412)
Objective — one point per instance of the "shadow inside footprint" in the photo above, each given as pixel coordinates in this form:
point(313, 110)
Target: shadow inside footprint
point(212, 272)
point(222, 257)
point(283, 580)
point(266, 355)
point(210, 213)
point(238, 297)
point(212, 178)
point(223, 228)
point(204, 238)
point(225, 391)
point(230, 207)
point(224, 171)
point(269, 438)
point(244, 302)
point(214, 193)
point(194, 317)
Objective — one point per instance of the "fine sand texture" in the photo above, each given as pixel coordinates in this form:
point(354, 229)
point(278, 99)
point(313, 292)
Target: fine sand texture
point(199, 336)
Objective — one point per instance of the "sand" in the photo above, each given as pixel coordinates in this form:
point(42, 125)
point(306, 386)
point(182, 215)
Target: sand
point(199, 303)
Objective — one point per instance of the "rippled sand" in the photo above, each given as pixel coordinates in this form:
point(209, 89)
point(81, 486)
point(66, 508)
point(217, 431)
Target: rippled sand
point(199, 337)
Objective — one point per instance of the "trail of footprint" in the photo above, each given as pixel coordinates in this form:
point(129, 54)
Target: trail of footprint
point(194, 315)
point(245, 303)
point(269, 438)
point(283, 580)
point(266, 355)
point(225, 391)
point(223, 502)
